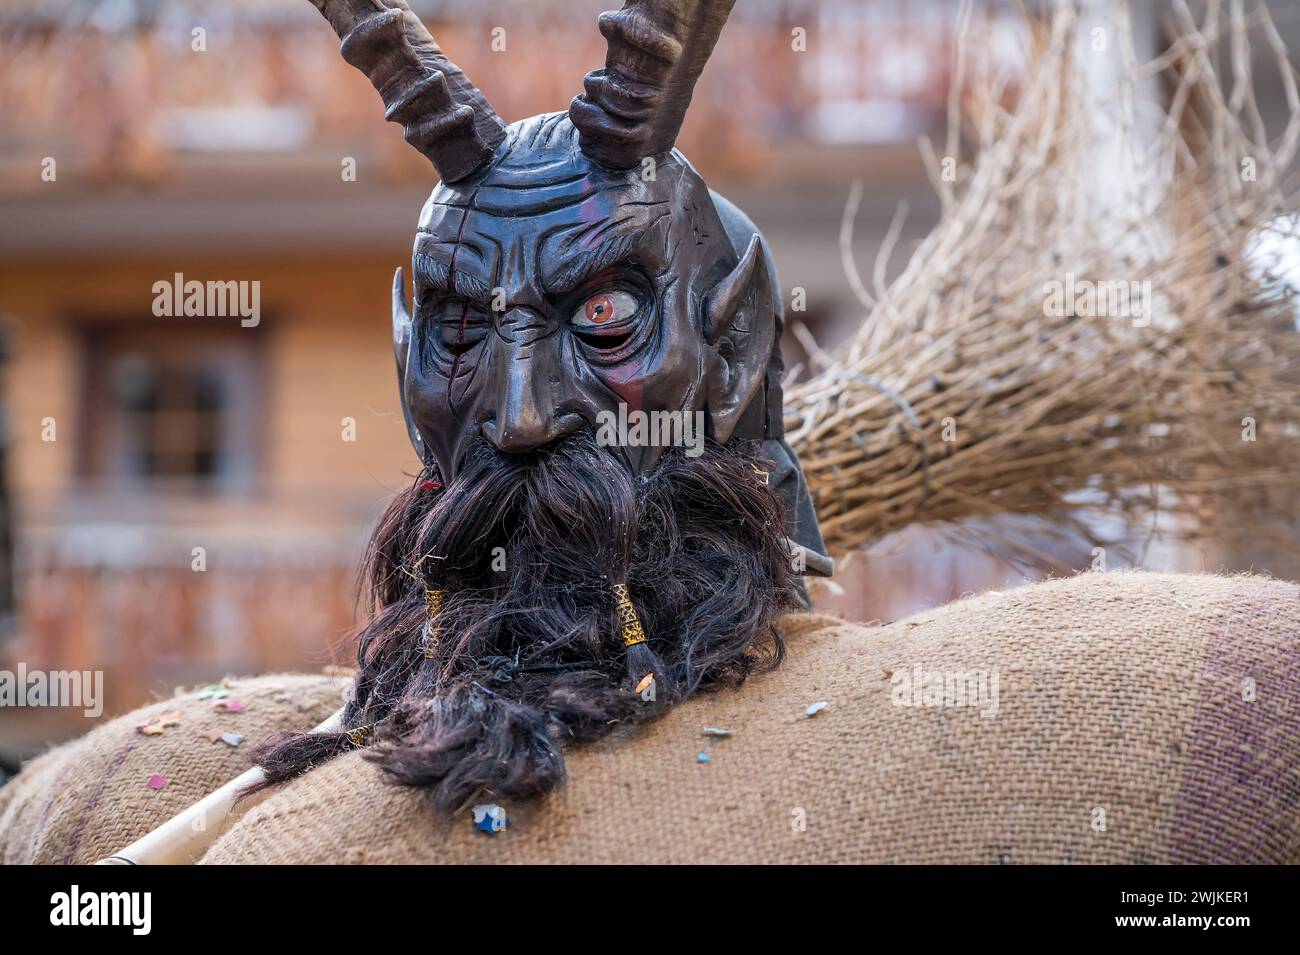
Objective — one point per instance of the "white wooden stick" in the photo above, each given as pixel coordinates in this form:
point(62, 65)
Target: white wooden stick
point(183, 839)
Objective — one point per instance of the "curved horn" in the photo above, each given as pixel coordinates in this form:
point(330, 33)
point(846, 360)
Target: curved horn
point(634, 107)
point(442, 114)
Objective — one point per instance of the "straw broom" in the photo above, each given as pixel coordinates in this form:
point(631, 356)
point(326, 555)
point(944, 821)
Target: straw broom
point(963, 397)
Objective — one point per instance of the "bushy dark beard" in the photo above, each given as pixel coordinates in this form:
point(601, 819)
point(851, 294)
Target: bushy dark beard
point(525, 655)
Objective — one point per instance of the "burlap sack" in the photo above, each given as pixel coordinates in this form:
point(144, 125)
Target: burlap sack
point(1140, 718)
point(88, 798)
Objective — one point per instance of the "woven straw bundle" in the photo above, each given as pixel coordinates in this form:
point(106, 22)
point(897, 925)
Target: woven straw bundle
point(969, 393)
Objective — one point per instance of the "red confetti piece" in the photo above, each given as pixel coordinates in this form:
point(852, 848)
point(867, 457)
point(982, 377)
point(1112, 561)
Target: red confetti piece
point(156, 781)
point(430, 486)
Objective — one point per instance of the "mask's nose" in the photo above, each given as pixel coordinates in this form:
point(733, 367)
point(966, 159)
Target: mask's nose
point(524, 417)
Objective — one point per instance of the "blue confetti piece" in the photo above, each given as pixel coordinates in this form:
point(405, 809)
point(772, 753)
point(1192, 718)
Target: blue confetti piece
point(490, 818)
point(232, 739)
point(702, 758)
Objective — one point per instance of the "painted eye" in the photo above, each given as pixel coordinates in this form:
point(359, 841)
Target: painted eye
point(610, 307)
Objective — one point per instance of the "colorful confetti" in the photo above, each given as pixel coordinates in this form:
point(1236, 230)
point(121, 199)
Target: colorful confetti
point(159, 723)
point(230, 706)
point(215, 691)
point(816, 708)
point(490, 818)
point(702, 758)
point(232, 739)
point(156, 781)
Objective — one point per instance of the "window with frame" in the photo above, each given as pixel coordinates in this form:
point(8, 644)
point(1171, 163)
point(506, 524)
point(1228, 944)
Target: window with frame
point(170, 405)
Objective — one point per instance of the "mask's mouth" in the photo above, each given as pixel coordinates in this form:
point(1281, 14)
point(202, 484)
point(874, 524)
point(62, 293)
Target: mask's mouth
point(580, 441)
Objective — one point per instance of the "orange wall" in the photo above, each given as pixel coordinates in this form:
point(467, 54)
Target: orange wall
point(325, 325)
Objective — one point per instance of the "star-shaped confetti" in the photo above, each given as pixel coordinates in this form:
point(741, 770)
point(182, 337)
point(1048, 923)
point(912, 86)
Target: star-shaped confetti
point(232, 739)
point(159, 723)
point(490, 818)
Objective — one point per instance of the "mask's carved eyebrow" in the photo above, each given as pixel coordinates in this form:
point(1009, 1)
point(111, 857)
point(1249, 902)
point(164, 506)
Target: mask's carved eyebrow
point(435, 273)
point(590, 262)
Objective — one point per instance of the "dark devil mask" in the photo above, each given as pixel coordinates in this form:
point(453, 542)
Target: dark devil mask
point(572, 271)
point(610, 520)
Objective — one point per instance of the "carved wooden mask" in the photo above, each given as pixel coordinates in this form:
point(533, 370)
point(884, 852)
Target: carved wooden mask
point(574, 265)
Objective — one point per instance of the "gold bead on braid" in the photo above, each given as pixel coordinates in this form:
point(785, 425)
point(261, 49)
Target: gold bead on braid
point(360, 736)
point(629, 625)
point(433, 603)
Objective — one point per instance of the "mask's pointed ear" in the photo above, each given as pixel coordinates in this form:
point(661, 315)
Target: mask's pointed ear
point(401, 322)
point(739, 328)
point(401, 351)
